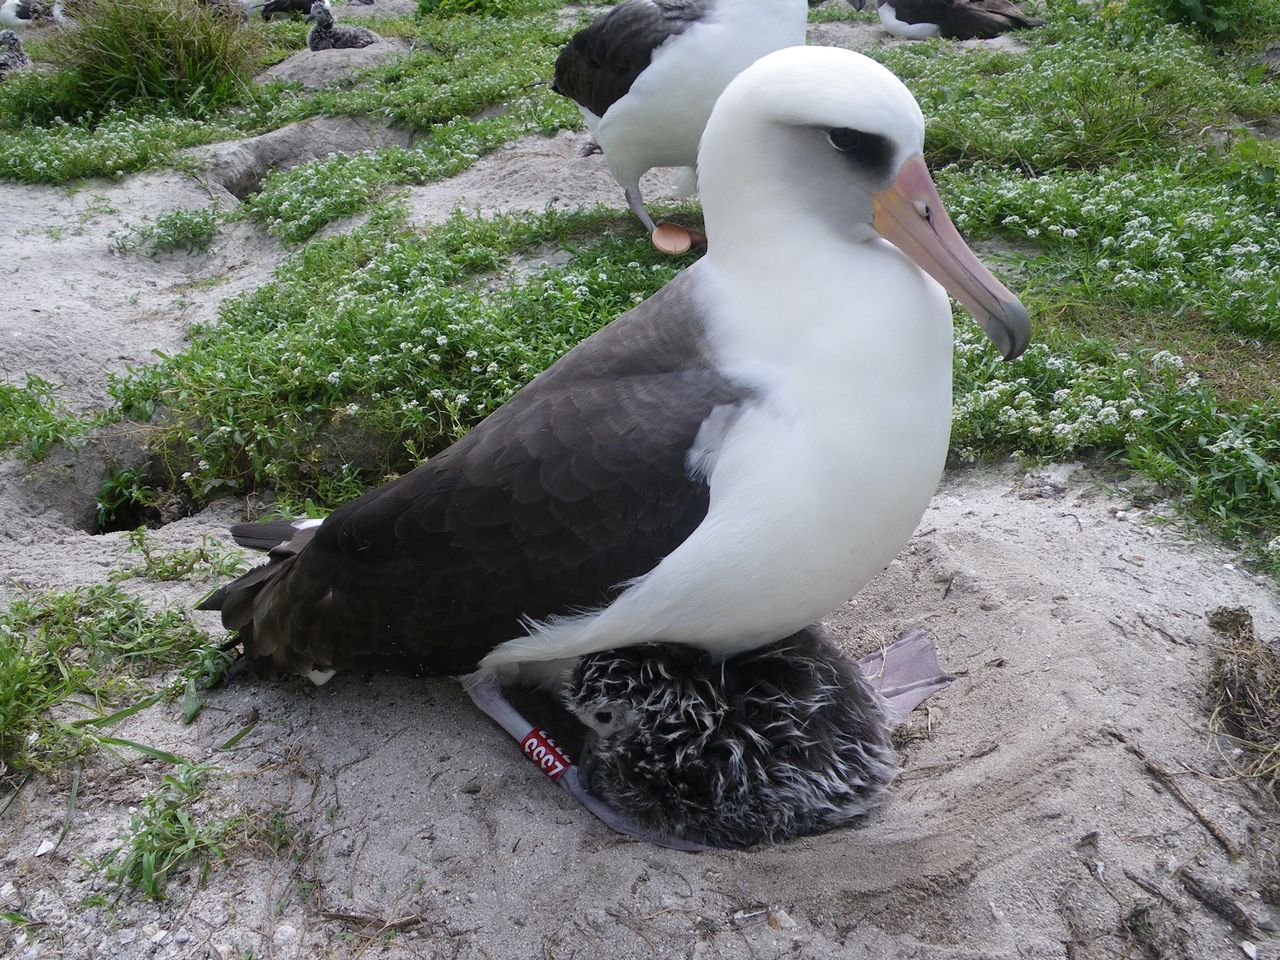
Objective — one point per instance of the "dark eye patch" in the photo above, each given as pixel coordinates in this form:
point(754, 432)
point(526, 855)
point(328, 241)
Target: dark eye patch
point(604, 716)
point(869, 150)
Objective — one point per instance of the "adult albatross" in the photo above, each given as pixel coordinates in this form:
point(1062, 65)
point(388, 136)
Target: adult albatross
point(954, 19)
point(719, 467)
point(647, 73)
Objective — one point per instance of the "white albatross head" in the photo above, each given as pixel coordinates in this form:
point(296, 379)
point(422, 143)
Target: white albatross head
point(814, 143)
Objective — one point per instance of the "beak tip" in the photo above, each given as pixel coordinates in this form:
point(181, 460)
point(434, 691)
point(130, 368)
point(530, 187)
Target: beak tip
point(1011, 330)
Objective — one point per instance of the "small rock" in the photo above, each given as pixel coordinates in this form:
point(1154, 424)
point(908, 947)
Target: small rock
point(9, 894)
point(1249, 949)
point(45, 847)
point(284, 935)
point(781, 920)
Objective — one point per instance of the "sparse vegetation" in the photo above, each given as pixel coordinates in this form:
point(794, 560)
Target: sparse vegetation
point(191, 231)
point(33, 419)
point(166, 834)
point(207, 561)
point(84, 649)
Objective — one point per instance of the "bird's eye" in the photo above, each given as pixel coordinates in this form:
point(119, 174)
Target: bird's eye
point(604, 716)
point(868, 149)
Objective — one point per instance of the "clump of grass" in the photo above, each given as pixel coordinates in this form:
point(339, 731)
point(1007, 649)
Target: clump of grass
point(473, 63)
point(191, 231)
point(164, 835)
point(183, 54)
point(91, 642)
point(204, 562)
point(33, 419)
point(1244, 688)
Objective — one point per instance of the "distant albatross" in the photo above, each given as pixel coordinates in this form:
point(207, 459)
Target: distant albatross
point(719, 467)
point(27, 13)
point(646, 74)
point(954, 19)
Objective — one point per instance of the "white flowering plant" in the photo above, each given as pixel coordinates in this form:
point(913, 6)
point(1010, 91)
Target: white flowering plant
point(1198, 237)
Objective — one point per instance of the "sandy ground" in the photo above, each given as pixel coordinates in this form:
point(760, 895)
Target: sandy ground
point(1021, 826)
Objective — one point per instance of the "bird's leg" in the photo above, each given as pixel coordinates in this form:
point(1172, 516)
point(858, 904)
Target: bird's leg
point(538, 746)
point(590, 148)
point(636, 203)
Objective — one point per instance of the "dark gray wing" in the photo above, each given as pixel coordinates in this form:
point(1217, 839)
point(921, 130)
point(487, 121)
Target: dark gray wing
point(597, 67)
point(575, 485)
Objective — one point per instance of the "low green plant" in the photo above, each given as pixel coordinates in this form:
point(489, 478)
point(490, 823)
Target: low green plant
point(123, 499)
point(92, 643)
point(191, 231)
point(483, 8)
point(293, 204)
point(204, 562)
point(1217, 19)
point(1189, 237)
point(117, 143)
point(164, 835)
point(33, 419)
point(189, 56)
point(1090, 91)
point(375, 348)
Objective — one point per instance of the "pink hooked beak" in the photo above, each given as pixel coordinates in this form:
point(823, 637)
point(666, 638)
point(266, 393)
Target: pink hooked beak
point(909, 214)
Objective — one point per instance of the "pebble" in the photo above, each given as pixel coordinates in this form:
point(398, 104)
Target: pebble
point(45, 847)
point(1249, 949)
point(782, 920)
point(285, 934)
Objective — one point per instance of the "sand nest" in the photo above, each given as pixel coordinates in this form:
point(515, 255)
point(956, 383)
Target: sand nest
point(1031, 820)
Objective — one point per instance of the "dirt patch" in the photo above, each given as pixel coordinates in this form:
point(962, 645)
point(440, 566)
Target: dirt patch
point(533, 173)
point(378, 10)
point(322, 69)
point(76, 310)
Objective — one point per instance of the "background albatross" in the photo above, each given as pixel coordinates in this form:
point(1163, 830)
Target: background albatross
point(647, 73)
point(719, 467)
